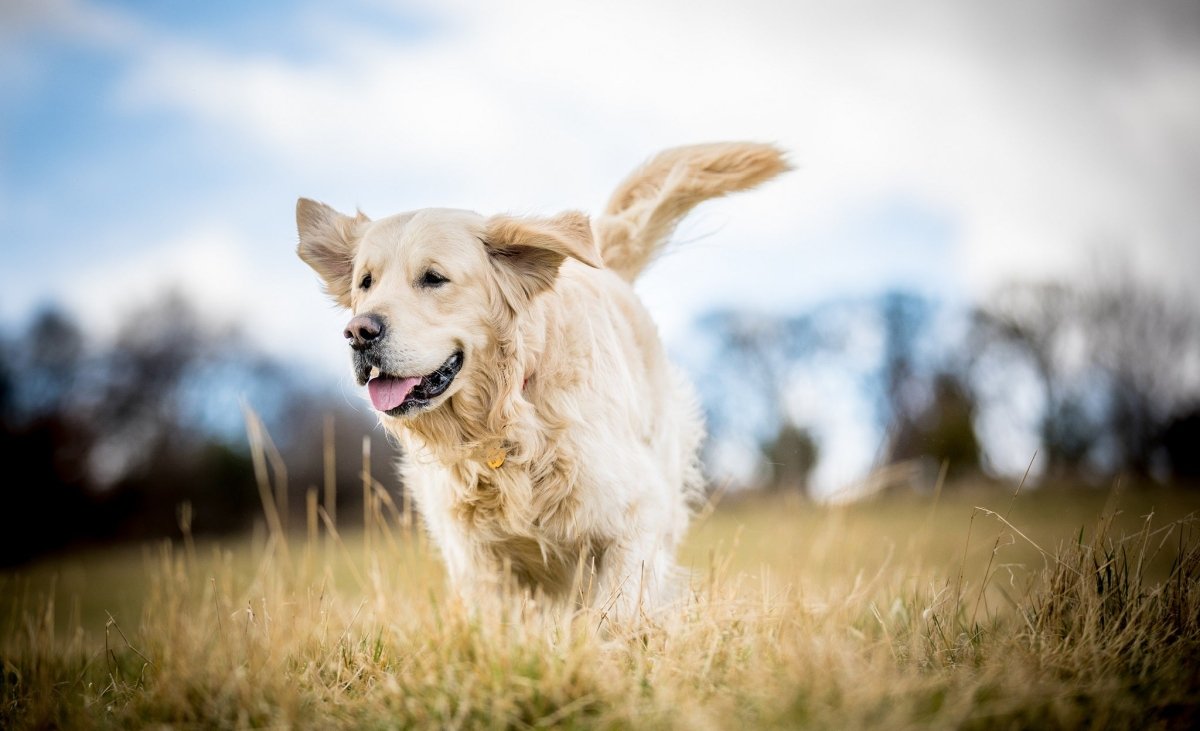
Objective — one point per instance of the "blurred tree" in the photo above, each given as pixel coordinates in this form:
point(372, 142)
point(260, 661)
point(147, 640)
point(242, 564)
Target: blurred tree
point(6, 397)
point(1147, 345)
point(106, 441)
point(49, 360)
point(904, 317)
point(139, 413)
point(1181, 441)
point(755, 357)
point(923, 410)
point(944, 430)
point(7, 388)
point(301, 430)
point(791, 457)
point(926, 410)
point(45, 441)
point(1037, 323)
point(1113, 358)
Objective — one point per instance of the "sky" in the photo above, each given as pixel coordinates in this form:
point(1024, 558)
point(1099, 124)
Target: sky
point(942, 146)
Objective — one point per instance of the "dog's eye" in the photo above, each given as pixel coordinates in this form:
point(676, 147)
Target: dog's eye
point(366, 281)
point(432, 279)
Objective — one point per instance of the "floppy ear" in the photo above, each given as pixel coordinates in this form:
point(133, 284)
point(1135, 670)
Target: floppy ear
point(532, 249)
point(328, 240)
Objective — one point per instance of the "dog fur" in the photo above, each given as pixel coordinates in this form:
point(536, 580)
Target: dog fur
point(564, 453)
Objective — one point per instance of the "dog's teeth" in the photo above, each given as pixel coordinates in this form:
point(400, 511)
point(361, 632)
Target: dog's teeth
point(375, 372)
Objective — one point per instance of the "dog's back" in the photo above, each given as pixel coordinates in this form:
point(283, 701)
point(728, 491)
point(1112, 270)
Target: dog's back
point(636, 466)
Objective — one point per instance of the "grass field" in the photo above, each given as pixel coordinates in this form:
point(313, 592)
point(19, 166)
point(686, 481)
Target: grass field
point(1078, 609)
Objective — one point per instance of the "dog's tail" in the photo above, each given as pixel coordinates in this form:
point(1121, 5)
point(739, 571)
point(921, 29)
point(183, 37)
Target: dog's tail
point(646, 206)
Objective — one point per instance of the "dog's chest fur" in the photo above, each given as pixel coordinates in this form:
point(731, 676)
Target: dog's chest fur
point(521, 518)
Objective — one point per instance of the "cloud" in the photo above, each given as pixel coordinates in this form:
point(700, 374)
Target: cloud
point(1018, 132)
point(275, 304)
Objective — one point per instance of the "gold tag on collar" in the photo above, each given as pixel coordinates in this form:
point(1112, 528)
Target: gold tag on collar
point(496, 458)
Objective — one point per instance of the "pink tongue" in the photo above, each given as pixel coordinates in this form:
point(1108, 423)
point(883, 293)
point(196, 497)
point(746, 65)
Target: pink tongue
point(387, 393)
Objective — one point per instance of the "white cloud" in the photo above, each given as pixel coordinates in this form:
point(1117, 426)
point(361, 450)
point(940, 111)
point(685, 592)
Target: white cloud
point(277, 306)
point(545, 104)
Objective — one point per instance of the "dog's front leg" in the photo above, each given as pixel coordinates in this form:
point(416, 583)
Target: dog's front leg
point(632, 583)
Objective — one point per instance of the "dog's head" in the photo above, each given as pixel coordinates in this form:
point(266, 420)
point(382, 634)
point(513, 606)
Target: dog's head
point(428, 290)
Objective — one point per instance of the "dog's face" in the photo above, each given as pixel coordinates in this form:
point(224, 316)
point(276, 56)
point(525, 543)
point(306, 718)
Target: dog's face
point(427, 289)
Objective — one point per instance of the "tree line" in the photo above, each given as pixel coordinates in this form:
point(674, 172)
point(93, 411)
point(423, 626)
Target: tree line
point(1106, 371)
point(106, 441)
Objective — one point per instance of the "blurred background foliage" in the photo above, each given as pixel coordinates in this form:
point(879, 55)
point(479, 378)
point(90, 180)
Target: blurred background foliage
point(1113, 367)
point(106, 441)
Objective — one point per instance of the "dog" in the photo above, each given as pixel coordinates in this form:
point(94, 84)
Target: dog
point(545, 436)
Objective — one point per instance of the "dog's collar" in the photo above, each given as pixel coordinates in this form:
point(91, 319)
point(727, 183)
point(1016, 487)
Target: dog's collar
point(495, 458)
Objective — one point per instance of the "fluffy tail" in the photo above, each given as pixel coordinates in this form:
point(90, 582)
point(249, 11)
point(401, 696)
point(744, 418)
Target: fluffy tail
point(646, 206)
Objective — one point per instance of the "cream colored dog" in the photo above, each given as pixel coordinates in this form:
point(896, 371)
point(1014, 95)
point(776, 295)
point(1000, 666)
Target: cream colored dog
point(545, 435)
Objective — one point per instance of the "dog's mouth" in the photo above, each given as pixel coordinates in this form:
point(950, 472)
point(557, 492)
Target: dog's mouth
point(399, 395)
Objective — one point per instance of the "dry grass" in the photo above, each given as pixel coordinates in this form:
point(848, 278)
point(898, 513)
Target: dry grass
point(890, 614)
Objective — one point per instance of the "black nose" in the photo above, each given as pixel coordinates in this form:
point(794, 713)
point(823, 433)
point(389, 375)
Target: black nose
point(363, 330)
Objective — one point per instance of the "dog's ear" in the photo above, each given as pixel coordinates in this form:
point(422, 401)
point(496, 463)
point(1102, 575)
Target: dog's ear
point(532, 249)
point(328, 240)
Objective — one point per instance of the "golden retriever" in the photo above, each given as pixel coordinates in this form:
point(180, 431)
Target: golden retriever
point(545, 435)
